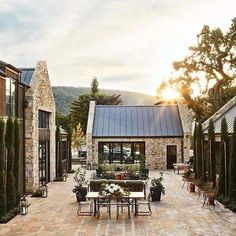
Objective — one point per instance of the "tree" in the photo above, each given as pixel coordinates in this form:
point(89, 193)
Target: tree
point(232, 181)
point(17, 160)
point(94, 86)
point(199, 157)
point(211, 66)
point(224, 159)
point(77, 137)
point(58, 152)
point(3, 200)
point(11, 186)
point(212, 157)
point(195, 149)
point(80, 108)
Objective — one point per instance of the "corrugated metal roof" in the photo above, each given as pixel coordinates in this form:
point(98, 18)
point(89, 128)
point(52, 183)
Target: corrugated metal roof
point(137, 121)
point(26, 75)
point(229, 115)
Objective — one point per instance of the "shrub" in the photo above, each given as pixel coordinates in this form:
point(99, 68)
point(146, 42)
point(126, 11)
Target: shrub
point(37, 193)
point(11, 186)
point(3, 203)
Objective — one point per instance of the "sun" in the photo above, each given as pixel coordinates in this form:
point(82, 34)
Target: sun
point(169, 94)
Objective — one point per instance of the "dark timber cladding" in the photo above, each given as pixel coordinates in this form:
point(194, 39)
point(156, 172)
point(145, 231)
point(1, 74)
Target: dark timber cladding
point(137, 121)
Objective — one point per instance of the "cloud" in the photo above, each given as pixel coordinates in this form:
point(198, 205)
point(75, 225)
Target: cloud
point(124, 43)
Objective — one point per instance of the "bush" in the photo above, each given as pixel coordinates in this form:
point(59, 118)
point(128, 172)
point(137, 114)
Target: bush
point(9, 215)
point(37, 193)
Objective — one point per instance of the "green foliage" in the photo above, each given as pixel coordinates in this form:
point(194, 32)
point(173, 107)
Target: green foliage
point(199, 158)
point(17, 160)
point(142, 161)
point(9, 215)
point(212, 59)
point(157, 183)
point(80, 108)
point(195, 149)
point(232, 180)
point(58, 152)
point(3, 200)
point(37, 193)
point(64, 96)
point(212, 156)
point(223, 178)
point(11, 186)
point(94, 86)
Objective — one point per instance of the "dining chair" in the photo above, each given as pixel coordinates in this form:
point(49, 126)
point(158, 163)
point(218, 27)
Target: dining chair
point(146, 202)
point(122, 202)
point(84, 205)
point(104, 202)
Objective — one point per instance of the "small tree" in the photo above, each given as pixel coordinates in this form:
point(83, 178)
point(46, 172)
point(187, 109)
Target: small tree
point(3, 200)
point(94, 86)
point(232, 182)
point(212, 158)
point(11, 186)
point(58, 152)
point(77, 137)
point(17, 159)
point(195, 149)
point(223, 177)
point(199, 164)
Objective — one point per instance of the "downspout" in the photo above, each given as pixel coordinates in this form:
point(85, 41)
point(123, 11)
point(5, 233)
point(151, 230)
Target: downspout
point(182, 150)
point(24, 152)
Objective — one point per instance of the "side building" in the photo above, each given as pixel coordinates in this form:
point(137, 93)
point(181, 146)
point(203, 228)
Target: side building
point(121, 133)
point(40, 110)
point(12, 92)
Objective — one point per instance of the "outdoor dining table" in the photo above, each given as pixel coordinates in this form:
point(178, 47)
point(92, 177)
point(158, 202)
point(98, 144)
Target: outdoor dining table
point(133, 195)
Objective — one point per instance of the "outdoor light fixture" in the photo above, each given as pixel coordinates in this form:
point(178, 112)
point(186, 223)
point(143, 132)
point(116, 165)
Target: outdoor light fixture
point(44, 190)
point(23, 205)
point(64, 176)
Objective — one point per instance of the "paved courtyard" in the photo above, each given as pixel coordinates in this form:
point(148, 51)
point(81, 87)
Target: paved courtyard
point(178, 213)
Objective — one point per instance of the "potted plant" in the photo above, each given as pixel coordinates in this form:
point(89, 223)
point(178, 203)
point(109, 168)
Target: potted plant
point(157, 188)
point(80, 188)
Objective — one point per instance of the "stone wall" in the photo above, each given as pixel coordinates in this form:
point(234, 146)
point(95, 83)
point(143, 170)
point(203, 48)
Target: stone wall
point(155, 150)
point(39, 97)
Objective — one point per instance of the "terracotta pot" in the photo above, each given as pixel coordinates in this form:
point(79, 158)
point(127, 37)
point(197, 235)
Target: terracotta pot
point(211, 201)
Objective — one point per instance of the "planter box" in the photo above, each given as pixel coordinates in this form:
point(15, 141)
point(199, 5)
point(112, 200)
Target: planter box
point(81, 194)
point(155, 194)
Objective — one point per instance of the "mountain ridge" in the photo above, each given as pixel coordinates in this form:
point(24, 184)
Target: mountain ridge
point(64, 95)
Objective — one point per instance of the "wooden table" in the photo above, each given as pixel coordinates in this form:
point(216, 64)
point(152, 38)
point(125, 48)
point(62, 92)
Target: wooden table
point(133, 195)
point(180, 166)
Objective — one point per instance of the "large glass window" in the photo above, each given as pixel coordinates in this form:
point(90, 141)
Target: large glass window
point(121, 152)
point(10, 97)
point(43, 119)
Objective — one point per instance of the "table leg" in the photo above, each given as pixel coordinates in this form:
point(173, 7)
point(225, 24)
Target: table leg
point(95, 207)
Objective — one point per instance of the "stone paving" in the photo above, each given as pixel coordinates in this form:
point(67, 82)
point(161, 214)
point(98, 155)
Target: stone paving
point(178, 213)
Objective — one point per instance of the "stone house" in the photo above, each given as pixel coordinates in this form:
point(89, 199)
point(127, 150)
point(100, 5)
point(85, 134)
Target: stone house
point(120, 133)
point(40, 110)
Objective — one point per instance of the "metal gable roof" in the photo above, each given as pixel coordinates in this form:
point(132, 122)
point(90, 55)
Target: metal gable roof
point(229, 115)
point(137, 121)
point(26, 75)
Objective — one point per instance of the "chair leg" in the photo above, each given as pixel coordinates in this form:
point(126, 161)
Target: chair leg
point(204, 201)
point(183, 184)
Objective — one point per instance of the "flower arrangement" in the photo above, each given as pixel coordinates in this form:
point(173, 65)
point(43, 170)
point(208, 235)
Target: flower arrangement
point(113, 189)
point(79, 178)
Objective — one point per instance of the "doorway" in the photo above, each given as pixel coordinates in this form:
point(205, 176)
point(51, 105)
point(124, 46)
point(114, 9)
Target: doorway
point(171, 156)
point(44, 163)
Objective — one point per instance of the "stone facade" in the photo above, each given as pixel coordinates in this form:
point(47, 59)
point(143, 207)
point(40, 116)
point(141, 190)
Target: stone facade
point(39, 97)
point(155, 149)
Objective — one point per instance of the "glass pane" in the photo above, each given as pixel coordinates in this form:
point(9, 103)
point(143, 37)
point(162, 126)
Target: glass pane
point(116, 152)
point(127, 153)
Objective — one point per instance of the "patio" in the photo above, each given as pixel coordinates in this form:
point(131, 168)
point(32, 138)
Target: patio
point(178, 213)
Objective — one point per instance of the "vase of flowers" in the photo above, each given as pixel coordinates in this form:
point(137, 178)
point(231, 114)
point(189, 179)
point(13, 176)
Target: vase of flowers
point(113, 190)
point(80, 188)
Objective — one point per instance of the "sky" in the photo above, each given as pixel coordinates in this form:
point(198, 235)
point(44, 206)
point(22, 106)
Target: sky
point(127, 44)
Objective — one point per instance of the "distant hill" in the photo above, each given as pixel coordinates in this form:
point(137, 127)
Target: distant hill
point(65, 95)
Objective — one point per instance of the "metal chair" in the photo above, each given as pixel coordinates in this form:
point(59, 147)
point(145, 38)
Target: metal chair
point(211, 196)
point(144, 202)
point(122, 202)
point(104, 202)
point(81, 212)
point(204, 188)
point(189, 180)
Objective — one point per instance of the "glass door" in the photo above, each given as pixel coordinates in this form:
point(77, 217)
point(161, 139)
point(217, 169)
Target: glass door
point(44, 163)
